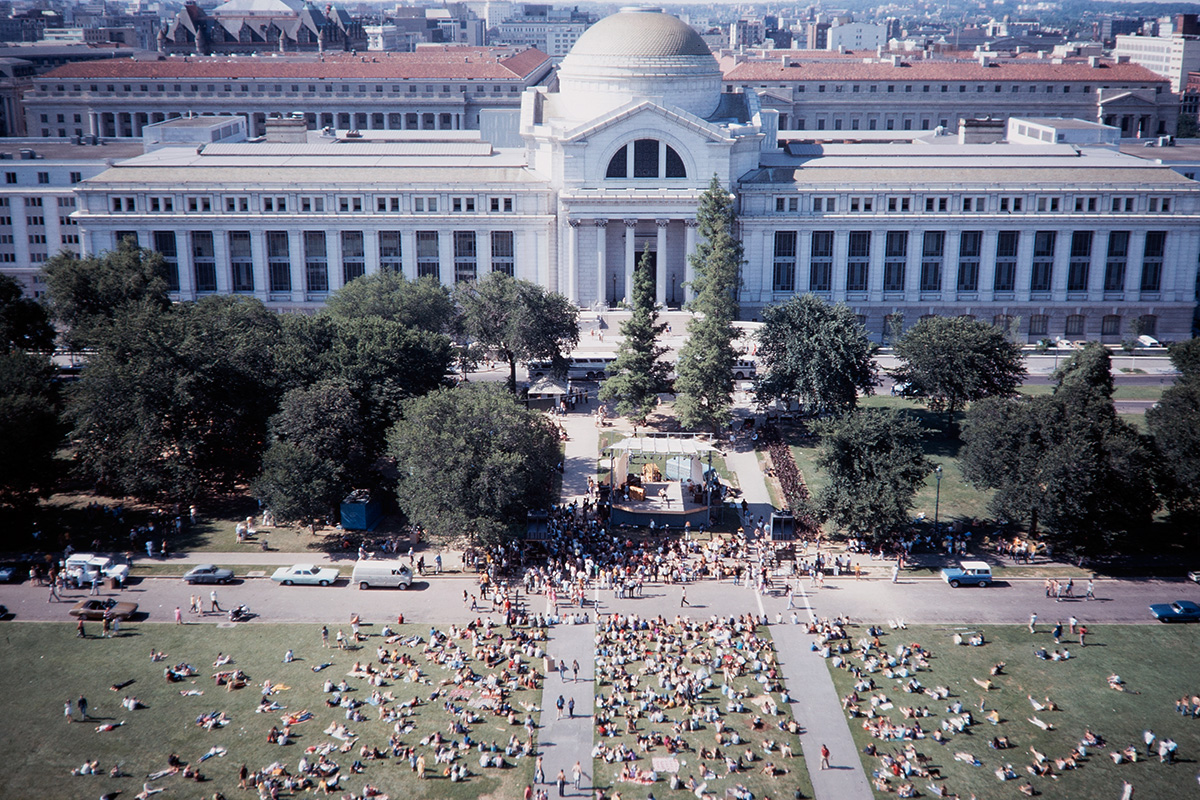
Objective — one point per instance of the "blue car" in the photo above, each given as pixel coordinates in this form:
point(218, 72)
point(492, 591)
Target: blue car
point(1179, 611)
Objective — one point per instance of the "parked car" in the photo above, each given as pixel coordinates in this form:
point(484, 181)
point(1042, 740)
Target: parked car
point(369, 572)
point(305, 573)
point(95, 609)
point(80, 568)
point(1194, 576)
point(968, 573)
point(208, 573)
point(8, 574)
point(1179, 611)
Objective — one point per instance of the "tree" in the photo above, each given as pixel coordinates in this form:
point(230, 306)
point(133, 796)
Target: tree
point(318, 452)
point(637, 374)
point(424, 303)
point(704, 382)
point(519, 320)
point(174, 403)
point(30, 429)
point(816, 353)
point(950, 361)
point(874, 464)
point(24, 323)
point(1185, 356)
point(471, 462)
point(1065, 462)
point(88, 293)
point(1174, 423)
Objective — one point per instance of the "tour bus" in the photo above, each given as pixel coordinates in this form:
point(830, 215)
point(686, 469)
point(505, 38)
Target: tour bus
point(581, 366)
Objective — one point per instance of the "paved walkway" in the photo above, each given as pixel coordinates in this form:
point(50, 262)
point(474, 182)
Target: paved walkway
point(563, 741)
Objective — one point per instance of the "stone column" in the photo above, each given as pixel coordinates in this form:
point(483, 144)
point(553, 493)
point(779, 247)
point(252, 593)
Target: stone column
point(601, 260)
point(630, 257)
point(690, 245)
point(573, 260)
point(660, 277)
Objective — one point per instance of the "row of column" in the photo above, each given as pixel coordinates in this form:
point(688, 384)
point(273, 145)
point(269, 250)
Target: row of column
point(631, 256)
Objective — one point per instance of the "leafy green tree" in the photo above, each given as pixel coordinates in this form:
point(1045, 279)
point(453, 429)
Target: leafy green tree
point(88, 293)
point(175, 403)
point(637, 374)
point(1174, 423)
point(30, 429)
point(24, 324)
point(383, 362)
point(1065, 463)
point(816, 353)
point(318, 452)
point(875, 466)
point(951, 361)
point(1185, 356)
point(471, 462)
point(704, 382)
point(518, 320)
point(424, 304)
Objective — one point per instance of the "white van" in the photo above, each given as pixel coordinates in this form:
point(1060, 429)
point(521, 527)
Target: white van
point(369, 572)
point(80, 568)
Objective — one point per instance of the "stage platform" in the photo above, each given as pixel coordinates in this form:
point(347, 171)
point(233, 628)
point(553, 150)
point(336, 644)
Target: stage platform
point(664, 504)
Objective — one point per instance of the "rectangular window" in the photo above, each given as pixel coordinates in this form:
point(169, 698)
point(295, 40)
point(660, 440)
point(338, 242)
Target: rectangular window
point(820, 264)
point(504, 252)
point(1006, 261)
point(1075, 324)
point(389, 252)
point(1081, 261)
point(204, 262)
point(970, 246)
point(313, 205)
point(858, 261)
point(1043, 261)
point(1152, 260)
point(1039, 324)
point(1115, 263)
point(465, 259)
point(316, 262)
point(645, 158)
point(241, 261)
point(354, 258)
point(1110, 325)
point(462, 205)
point(932, 250)
point(164, 242)
point(428, 258)
point(895, 256)
point(785, 262)
point(279, 261)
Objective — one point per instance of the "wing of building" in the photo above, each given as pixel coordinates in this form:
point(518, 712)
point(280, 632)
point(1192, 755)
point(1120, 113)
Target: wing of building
point(1052, 230)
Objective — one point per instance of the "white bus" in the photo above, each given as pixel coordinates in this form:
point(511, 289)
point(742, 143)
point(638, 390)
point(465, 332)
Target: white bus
point(580, 366)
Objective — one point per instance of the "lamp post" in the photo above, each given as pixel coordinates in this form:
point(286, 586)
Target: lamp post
point(937, 497)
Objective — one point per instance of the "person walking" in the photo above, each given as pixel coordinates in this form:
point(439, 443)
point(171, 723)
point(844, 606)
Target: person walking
point(1033, 623)
point(1082, 633)
point(324, 636)
point(79, 631)
point(178, 615)
point(577, 775)
point(67, 711)
point(561, 780)
point(1090, 594)
point(575, 670)
point(212, 597)
point(539, 775)
point(683, 601)
point(571, 708)
point(83, 707)
point(559, 704)
point(824, 757)
point(790, 597)
point(54, 595)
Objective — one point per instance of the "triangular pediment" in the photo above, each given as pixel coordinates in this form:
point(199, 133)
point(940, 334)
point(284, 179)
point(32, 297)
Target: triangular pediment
point(638, 110)
point(1127, 100)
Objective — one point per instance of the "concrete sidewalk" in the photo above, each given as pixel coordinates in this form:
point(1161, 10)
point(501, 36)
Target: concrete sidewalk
point(562, 742)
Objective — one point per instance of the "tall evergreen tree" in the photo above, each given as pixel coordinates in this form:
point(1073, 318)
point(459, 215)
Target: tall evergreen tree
point(705, 372)
point(638, 375)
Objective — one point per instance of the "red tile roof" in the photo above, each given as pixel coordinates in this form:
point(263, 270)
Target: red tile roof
point(443, 63)
point(1073, 72)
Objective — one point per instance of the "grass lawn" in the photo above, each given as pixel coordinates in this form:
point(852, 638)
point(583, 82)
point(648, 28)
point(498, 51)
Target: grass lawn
point(689, 762)
point(45, 665)
point(1157, 663)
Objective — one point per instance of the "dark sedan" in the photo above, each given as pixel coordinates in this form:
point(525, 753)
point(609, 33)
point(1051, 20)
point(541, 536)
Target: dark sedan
point(1179, 611)
point(208, 573)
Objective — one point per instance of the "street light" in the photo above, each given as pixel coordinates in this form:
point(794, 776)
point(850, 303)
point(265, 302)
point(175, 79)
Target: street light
point(937, 497)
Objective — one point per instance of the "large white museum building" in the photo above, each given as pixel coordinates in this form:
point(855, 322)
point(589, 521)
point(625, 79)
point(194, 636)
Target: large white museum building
point(1045, 224)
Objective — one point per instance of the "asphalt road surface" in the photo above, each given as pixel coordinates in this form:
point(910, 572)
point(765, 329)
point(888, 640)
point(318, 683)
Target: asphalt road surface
point(439, 601)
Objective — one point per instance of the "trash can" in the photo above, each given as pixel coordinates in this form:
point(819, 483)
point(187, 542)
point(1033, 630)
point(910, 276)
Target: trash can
point(113, 583)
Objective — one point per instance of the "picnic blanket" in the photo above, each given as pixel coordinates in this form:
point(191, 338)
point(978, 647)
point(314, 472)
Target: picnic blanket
point(665, 764)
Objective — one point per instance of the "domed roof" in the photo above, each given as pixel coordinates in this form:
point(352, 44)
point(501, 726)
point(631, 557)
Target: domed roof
point(646, 32)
